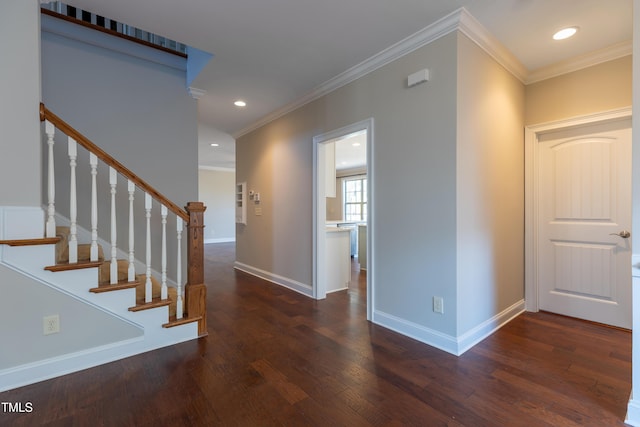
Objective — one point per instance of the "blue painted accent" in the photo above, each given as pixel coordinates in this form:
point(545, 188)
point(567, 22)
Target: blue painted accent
point(196, 61)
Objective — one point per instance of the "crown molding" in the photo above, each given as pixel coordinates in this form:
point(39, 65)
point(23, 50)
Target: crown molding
point(473, 29)
point(459, 20)
point(196, 93)
point(415, 41)
point(610, 53)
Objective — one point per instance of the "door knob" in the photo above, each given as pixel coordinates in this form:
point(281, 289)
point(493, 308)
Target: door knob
point(624, 234)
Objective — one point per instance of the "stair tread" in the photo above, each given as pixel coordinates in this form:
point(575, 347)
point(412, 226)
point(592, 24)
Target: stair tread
point(155, 302)
point(107, 287)
point(173, 321)
point(104, 269)
point(64, 266)
point(31, 242)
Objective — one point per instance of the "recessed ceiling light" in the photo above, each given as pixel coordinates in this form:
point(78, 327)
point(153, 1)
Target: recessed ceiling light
point(356, 144)
point(565, 33)
point(240, 103)
point(215, 145)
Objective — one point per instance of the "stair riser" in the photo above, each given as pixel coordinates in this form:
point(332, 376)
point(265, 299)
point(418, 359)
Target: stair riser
point(18, 222)
point(84, 235)
point(29, 258)
point(118, 302)
point(32, 259)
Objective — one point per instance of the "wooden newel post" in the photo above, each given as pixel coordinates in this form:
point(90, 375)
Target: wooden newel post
point(195, 290)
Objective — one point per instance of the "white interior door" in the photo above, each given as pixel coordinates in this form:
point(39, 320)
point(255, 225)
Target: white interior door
point(584, 267)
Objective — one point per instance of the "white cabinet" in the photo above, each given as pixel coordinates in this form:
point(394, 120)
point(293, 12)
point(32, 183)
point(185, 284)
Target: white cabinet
point(338, 258)
point(241, 203)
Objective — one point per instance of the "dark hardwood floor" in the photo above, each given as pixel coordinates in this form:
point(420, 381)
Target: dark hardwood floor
point(276, 358)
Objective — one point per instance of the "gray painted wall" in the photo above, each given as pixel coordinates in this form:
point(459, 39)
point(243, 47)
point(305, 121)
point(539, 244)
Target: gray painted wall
point(448, 189)
point(217, 192)
point(21, 322)
point(415, 183)
point(19, 118)
point(134, 108)
point(490, 187)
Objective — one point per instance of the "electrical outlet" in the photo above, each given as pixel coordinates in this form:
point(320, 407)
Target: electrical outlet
point(51, 324)
point(438, 305)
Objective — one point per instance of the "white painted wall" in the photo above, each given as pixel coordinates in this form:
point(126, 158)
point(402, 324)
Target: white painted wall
point(19, 104)
point(217, 192)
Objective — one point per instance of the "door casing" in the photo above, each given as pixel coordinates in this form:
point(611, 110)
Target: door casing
point(319, 209)
point(532, 192)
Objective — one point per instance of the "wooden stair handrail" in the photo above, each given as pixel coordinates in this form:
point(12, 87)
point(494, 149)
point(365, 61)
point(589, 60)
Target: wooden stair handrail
point(110, 32)
point(46, 114)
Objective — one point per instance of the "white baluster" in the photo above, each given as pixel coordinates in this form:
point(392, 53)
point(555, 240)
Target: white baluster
point(132, 268)
point(147, 286)
point(179, 310)
point(93, 162)
point(73, 202)
point(163, 289)
point(113, 181)
point(51, 184)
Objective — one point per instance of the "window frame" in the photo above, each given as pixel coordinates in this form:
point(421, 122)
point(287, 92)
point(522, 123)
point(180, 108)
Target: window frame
point(362, 196)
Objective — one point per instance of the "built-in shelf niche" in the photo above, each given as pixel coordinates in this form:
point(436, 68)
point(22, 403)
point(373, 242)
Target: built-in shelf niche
point(241, 203)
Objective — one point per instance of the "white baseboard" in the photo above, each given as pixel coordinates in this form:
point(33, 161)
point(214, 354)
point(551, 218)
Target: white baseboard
point(449, 343)
point(633, 413)
point(220, 240)
point(73, 362)
point(418, 332)
point(294, 285)
point(57, 366)
point(488, 327)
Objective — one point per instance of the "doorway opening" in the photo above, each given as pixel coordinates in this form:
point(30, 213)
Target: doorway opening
point(348, 218)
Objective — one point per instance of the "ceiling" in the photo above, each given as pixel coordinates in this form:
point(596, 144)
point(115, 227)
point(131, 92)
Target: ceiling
point(351, 152)
point(272, 53)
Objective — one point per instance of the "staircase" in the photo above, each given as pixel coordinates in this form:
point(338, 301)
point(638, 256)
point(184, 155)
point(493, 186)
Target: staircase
point(99, 273)
point(104, 285)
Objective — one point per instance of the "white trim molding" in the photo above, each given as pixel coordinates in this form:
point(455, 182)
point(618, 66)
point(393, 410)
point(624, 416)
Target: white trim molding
point(609, 53)
point(319, 210)
point(216, 168)
point(488, 327)
point(220, 240)
point(473, 29)
point(531, 156)
point(433, 32)
point(294, 285)
point(459, 20)
point(196, 93)
point(633, 412)
point(449, 343)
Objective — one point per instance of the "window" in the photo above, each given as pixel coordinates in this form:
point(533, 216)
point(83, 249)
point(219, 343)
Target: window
point(355, 199)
